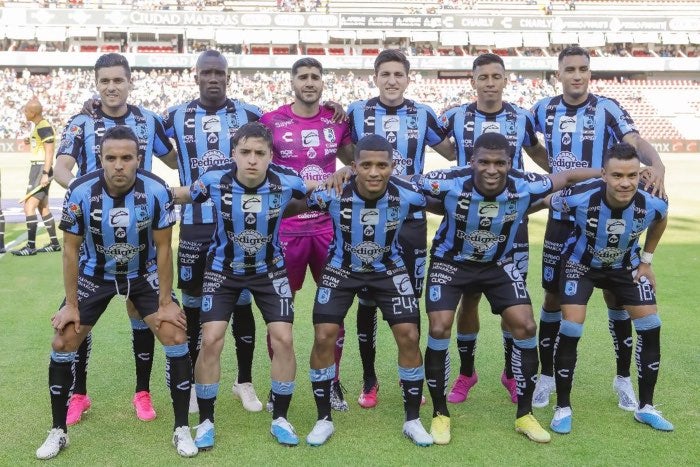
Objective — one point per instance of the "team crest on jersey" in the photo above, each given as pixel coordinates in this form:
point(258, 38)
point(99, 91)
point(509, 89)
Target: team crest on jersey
point(211, 124)
point(186, 273)
point(570, 288)
point(275, 200)
point(403, 284)
point(141, 212)
point(142, 133)
point(329, 135)
point(310, 138)
point(548, 273)
point(251, 203)
point(207, 303)
point(411, 122)
point(119, 217)
point(434, 292)
point(324, 295)
point(392, 214)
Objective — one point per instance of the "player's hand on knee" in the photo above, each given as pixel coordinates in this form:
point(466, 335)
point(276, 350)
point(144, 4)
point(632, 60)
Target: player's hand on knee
point(644, 272)
point(66, 315)
point(171, 313)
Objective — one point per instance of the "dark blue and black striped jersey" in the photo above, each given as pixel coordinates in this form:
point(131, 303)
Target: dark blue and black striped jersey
point(82, 136)
point(408, 128)
point(203, 136)
point(466, 123)
point(477, 228)
point(605, 237)
point(247, 219)
point(366, 231)
point(117, 232)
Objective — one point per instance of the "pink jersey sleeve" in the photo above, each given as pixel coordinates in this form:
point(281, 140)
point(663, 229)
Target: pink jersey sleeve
point(309, 146)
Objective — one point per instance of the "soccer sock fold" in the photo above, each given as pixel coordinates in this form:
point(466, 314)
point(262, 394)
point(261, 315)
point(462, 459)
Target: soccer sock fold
point(243, 330)
point(281, 398)
point(321, 380)
point(31, 231)
point(620, 326)
point(60, 381)
point(191, 305)
point(80, 365)
point(178, 371)
point(565, 360)
point(367, 340)
point(648, 356)
point(507, 354)
point(206, 399)
point(549, 327)
point(338, 354)
point(143, 343)
point(412, 388)
point(50, 225)
point(466, 345)
point(524, 364)
point(436, 373)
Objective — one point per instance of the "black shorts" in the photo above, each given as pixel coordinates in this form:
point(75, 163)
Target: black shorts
point(35, 174)
point(271, 292)
point(500, 282)
point(578, 281)
point(391, 290)
point(192, 254)
point(555, 236)
point(95, 294)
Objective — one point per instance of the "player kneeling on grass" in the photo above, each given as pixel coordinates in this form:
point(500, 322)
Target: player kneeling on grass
point(123, 217)
point(249, 197)
point(610, 216)
point(367, 215)
point(472, 253)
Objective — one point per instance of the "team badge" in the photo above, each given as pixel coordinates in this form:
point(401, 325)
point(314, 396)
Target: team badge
point(570, 288)
point(434, 292)
point(548, 273)
point(329, 134)
point(324, 295)
point(141, 212)
point(207, 303)
point(186, 273)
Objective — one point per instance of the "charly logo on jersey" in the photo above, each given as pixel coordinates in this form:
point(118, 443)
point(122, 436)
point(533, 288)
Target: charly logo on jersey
point(251, 203)
point(282, 288)
point(490, 127)
point(119, 217)
point(369, 216)
point(211, 158)
point(211, 124)
point(488, 209)
point(122, 253)
point(368, 252)
point(609, 255)
point(250, 241)
point(390, 123)
point(615, 226)
point(566, 160)
point(403, 284)
point(513, 272)
point(313, 172)
point(329, 135)
point(481, 240)
point(310, 138)
point(567, 124)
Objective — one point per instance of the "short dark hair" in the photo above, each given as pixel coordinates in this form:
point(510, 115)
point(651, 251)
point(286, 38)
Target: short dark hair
point(309, 62)
point(493, 141)
point(119, 132)
point(621, 151)
point(573, 50)
point(391, 55)
point(373, 143)
point(210, 53)
point(113, 59)
point(252, 130)
point(485, 59)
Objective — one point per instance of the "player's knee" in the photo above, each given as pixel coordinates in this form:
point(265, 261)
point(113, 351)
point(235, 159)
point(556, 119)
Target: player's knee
point(65, 342)
point(282, 341)
point(326, 334)
point(524, 328)
point(212, 340)
point(169, 334)
point(440, 326)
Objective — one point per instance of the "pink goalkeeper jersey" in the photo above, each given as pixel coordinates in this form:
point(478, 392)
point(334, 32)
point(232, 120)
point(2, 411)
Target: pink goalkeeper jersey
point(309, 146)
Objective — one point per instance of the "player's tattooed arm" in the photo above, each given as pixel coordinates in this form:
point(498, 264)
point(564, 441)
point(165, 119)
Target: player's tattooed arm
point(649, 157)
point(446, 149)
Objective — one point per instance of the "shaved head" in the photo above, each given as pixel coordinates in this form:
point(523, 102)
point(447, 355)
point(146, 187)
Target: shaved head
point(33, 110)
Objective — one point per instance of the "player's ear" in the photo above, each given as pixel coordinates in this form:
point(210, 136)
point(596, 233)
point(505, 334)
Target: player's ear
point(353, 166)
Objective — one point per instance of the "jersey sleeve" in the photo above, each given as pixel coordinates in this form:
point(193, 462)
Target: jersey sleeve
point(415, 197)
point(447, 120)
point(435, 131)
point(437, 183)
point(298, 187)
point(539, 126)
point(345, 137)
point(618, 121)
point(164, 212)
point(169, 121)
point(538, 185)
point(319, 199)
point(161, 143)
point(566, 200)
point(46, 134)
point(660, 205)
point(199, 190)
point(72, 214)
point(352, 110)
point(530, 136)
point(72, 138)
point(253, 112)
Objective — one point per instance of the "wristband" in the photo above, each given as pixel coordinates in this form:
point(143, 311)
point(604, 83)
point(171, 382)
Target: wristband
point(646, 257)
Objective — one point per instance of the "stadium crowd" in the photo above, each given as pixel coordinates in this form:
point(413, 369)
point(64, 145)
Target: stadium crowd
point(64, 91)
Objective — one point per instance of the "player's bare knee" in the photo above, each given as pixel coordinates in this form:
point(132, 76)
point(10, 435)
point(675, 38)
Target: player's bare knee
point(441, 324)
point(169, 334)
